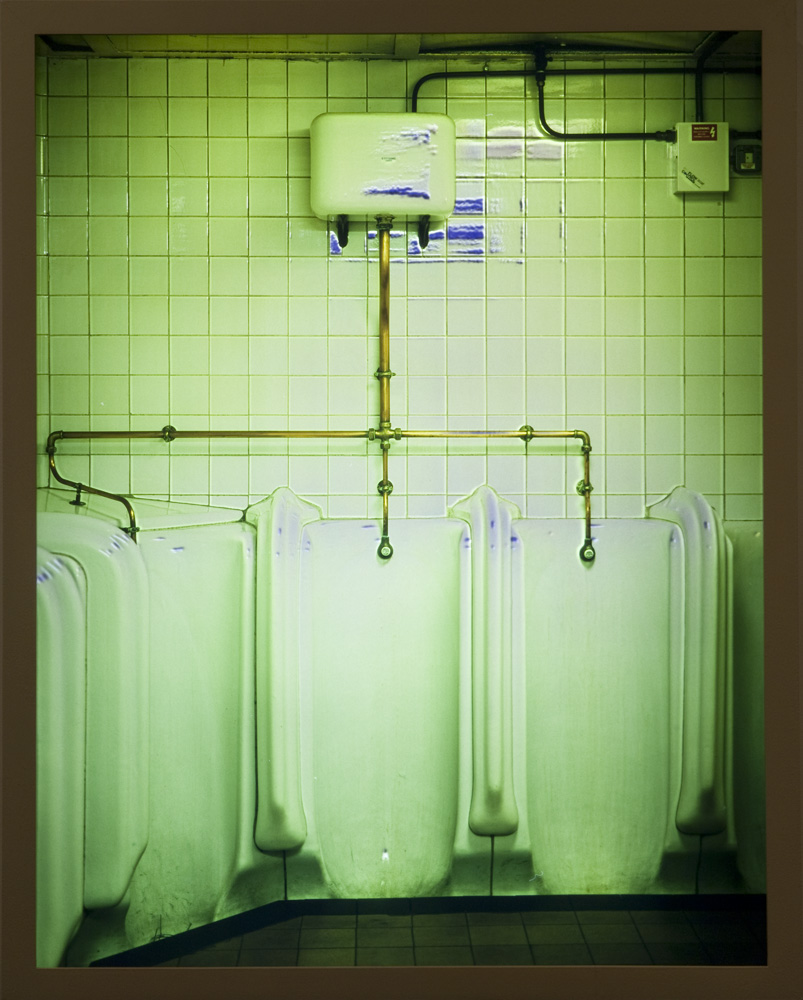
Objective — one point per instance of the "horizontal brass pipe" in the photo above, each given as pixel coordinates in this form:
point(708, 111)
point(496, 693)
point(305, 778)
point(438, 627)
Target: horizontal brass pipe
point(521, 433)
point(170, 434)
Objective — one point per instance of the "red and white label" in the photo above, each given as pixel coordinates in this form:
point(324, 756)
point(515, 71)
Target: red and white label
point(704, 133)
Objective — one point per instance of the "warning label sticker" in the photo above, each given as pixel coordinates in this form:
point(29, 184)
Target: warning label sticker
point(704, 133)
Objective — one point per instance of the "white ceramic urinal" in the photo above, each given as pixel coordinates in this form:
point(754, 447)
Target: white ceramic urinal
point(60, 758)
point(701, 807)
point(493, 803)
point(279, 521)
point(384, 650)
point(602, 678)
point(117, 689)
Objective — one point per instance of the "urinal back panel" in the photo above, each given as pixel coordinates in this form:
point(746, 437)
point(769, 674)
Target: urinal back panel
point(60, 757)
point(602, 666)
point(384, 645)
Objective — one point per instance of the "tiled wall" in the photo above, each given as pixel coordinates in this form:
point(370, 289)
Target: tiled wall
point(183, 279)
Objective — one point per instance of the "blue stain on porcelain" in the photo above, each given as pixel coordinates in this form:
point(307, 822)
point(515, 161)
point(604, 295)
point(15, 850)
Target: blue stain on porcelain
point(466, 232)
point(405, 190)
point(468, 206)
point(417, 136)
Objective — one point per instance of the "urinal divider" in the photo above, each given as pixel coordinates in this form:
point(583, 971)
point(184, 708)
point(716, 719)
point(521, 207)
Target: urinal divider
point(384, 434)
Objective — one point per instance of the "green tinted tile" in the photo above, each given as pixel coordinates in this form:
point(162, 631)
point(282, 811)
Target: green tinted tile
point(227, 116)
point(67, 77)
point(147, 77)
point(227, 77)
point(188, 157)
point(68, 115)
point(108, 275)
point(228, 157)
point(147, 116)
point(147, 156)
point(67, 155)
point(187, 77)
point(107, 77)
point(187, 116)
point(67, 196)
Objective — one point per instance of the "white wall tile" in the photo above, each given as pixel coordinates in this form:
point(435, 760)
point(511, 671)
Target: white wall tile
point(598, 297)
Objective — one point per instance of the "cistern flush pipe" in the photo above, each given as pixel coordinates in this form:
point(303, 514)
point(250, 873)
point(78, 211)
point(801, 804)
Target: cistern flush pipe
point(384, 374)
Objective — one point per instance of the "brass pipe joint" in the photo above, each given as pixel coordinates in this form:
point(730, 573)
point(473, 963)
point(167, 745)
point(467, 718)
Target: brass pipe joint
point(385, 434)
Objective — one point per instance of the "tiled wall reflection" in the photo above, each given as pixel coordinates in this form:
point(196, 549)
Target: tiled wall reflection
point(183, 279)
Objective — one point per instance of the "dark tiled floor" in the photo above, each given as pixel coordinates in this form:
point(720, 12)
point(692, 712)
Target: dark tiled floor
point(677, 931)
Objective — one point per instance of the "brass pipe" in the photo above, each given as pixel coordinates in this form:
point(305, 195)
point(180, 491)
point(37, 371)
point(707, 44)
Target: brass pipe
point(384, 435)
point(384, 374)
point(170, 434)
point(132, 528)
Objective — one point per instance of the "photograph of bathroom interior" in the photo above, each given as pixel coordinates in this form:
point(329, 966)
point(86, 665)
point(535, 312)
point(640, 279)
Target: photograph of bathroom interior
point(399, 499)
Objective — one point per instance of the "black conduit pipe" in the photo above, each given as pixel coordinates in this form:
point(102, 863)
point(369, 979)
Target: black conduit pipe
point(540, 74)
point(478, 74)
point(707, 47)
point(540, 78)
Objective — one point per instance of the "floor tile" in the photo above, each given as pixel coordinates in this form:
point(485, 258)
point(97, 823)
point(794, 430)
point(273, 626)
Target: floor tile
point(555, 934)
point(326, 956)
point(229, 944)
point(640, 917)
point(332, 920)
point(671, 953)
point(561, 954)
point(443, 956)
point(620, 954)
point(327, 937)
point(483, 918)
point(210, 958)
point(385, 956)
point(267, 956)
point(439, 920)
point(441, 936)
point(722, 953)
point(274, 936)
point(611, 934)
point(490, 934)
point(550, 917)
point(604, 917)
point(726, 930)
point(384, 937)
point(669, 933)
point(385, 920)
point(501, 954)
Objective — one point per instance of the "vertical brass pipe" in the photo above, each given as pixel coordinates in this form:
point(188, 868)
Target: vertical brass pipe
point(587, 553)
point(384, 374)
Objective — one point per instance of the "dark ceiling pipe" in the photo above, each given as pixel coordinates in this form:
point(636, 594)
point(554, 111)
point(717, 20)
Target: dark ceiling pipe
point(540, 78)
point(707, 47)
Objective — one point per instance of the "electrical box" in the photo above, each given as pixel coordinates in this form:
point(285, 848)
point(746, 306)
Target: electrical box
point(703, 157)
